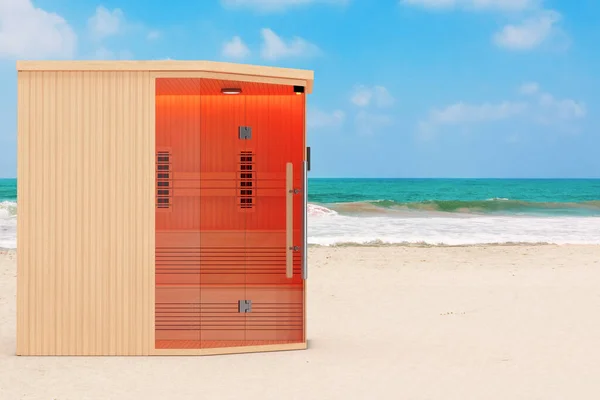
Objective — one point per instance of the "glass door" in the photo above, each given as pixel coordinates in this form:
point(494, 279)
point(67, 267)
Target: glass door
point(222, 221)
point(274, 281)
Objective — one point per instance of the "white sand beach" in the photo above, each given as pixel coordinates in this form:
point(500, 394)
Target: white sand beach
point(481, 322)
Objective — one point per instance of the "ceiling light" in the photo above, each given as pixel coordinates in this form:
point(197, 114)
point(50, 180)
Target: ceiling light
point(231, 91)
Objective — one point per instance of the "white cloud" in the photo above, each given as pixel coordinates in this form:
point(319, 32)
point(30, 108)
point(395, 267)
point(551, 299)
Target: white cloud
point(235, 48)
point(364, 96)
point(276, 5)
point(28, 32)
point(552, 108)
point(529, 88)
point(383, 98)
point(274, 47)
point(368, 124)
point(530, 33)
point(361, 97)
point(524, 35)
point(460, 113)
point(320, 119)
point(475, 5)
point(541, 108)
point(564, 109)
point(106, 23)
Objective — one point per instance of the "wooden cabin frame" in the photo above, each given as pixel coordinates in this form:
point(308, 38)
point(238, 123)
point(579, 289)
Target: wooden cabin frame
point(92, 139)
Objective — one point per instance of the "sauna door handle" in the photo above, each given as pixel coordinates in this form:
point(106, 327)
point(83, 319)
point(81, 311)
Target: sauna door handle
point(289, 219)
point(305, 169)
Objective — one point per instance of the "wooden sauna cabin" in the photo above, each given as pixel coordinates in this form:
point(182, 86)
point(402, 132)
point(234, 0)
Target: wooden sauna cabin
point(162, 208)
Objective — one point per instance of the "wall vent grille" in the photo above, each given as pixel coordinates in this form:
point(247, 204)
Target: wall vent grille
point(164, 185)
point(246, 182)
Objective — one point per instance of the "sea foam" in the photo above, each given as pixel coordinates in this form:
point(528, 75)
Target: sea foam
point(327, 227)
point(8, 224)
point(421, 227)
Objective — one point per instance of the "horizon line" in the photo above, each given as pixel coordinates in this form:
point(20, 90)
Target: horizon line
point(440, 177)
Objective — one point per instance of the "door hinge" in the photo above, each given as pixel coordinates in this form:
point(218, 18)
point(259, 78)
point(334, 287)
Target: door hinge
point(244, 306)
point(295, 191)
point(245, 132)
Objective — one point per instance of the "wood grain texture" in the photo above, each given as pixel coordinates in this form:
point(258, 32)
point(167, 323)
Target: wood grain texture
point(243, 71)
point(86, 215)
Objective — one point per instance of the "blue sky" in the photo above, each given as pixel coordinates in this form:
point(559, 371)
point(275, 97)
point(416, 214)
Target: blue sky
point(412, 88)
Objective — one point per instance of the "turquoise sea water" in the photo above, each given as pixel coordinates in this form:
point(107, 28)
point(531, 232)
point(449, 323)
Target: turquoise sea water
point(485, 196)
point(430, 211)
point(8, 213)
point(8, 189)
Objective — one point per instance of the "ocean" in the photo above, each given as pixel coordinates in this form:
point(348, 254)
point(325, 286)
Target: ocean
point(429, 211)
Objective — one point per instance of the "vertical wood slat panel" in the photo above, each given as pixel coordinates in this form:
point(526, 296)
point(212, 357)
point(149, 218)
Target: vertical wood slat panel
point(128, 288)
point(105, 195)
point(86, 213)
point(76, 211)
point(97, 186)
point(22, 221)
point(50, 169)
point(61, 212)
point(149, 114)
point(70, 267)
point(39, 214)
point(84, 221)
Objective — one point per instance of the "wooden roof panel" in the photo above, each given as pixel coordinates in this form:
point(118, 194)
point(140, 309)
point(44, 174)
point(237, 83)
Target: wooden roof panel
point(239, 70)
point(200, 86)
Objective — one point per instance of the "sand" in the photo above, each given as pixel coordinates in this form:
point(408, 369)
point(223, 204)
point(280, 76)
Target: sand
point(502, 322)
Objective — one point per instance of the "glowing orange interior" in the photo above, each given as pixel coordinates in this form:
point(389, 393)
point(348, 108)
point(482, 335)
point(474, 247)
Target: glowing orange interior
point(221, 214)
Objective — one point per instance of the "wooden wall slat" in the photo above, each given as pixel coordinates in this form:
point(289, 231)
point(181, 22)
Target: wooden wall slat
point(22, 217)
point(86, 213)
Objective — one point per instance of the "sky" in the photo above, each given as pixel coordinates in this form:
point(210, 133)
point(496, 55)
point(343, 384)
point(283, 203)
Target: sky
point(403, 88)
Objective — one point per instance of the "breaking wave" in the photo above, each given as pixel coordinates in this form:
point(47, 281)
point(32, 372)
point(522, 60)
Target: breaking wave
point(489, 206)
point(451, 223)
